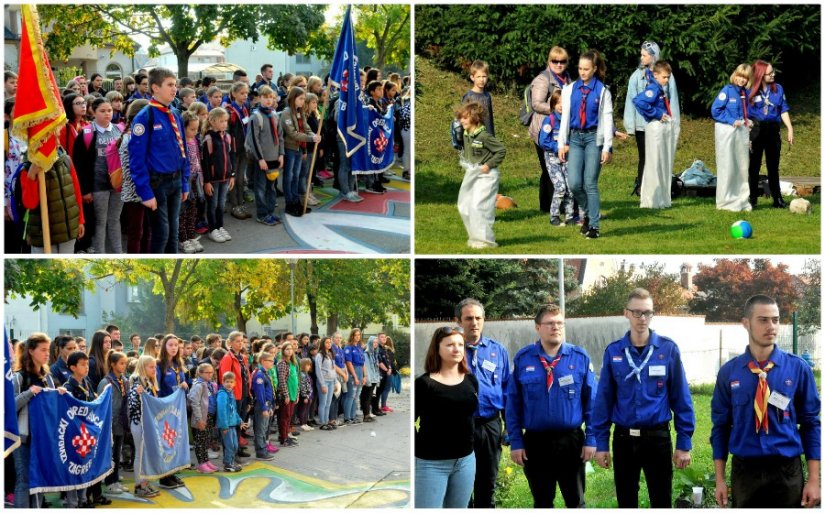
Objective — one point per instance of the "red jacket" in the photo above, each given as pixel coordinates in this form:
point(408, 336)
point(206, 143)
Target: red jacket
point(230, 363)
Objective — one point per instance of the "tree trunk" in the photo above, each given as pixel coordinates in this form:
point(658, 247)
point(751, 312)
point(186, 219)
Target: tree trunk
point(332, 324)
point(171, 303)
point(240, 320)
point(182, 52)
point(313, 313)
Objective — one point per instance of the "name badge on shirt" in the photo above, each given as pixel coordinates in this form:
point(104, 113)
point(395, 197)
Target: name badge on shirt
point(657, 370)
point(245, 120)
point(488, 365)
point(779, 400)
point(566, 380)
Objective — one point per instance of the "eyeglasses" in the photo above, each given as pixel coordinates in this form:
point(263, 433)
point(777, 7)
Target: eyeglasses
point(772, 73)
point(78, 104)
point(446, 331)
point(557, 324)
point(647, 314)
point(552, 61)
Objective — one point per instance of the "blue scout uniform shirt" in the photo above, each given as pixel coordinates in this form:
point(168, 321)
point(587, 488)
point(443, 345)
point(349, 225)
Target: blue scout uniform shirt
point(549, 133)
point(768, 105)
point(490, 364)
point(60, 371)
point(340, 361)
point(262, 390)
point(646, 402)
point(591, 112)
point(651, 102)
point(171, 380)
point(728, 106)
point(733, 416)
point(354, 355)
point(567, 404)
point(164, 156)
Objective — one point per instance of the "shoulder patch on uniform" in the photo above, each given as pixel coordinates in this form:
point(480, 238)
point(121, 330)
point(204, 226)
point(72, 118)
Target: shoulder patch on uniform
point(260, 381)
point(288, 121)
point(138, 130)
point(547, 128)
point(649, 93)
point(722, 96)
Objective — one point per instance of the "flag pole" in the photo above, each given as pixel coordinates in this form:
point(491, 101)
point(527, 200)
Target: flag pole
point(315, 150)
point(44, 211)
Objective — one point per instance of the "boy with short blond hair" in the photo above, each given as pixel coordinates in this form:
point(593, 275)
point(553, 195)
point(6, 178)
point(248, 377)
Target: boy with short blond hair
point(479, 74)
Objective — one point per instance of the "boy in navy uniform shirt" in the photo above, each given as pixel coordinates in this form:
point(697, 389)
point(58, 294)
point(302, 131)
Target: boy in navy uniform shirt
point(264, 396)
point(660, 139)
point(549, 396)
point(759, 399)
point(490, 364)
point(158, 160)
point(642, 381)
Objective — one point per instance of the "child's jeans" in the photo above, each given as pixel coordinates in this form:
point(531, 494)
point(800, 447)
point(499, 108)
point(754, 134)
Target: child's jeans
point(215, 204)
point(293, 163)
point(562, 197)
point(261, 427)
point(265, 192)
point(230, 444)
point(477, 203)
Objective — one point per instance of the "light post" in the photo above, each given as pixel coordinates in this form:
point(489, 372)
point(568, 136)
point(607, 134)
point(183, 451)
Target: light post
point(292, 262)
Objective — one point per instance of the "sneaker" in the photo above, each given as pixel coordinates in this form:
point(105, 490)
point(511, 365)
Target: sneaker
point(212, 454)
point(216, 235)
point(295, 210)
point(238, 467)
point(353, 197)
point(312, 200)
point(592, 233)
point(189, 247)
point(145, 492)
point(116, 489)
point(585, 226)
point(205, 468)
point(202, 229)
point(373, 190)
point(555, 221)
point(306, 427)
point(479, 244)
point(326, 427)
point(570, 221)
point(296, 433)
point(231, 468)
point(387, 409)
point(379, 413)
point(369, 419)
point(212, 466)
point(168, 483)
point(264, 457)
point(271, 448)
point(238, 213)
point(197, 244)
point(225, 233)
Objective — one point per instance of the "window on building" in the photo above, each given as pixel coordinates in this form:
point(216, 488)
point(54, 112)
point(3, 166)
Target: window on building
point(133, 294)
point(113, 71)
point(302, 59)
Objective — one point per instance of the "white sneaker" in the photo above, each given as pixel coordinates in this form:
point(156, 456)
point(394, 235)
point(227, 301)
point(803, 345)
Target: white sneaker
point(224, 233)
point(197, 245)
point(353, 197)
point(189, 247)
point(216, 235)
point(307, 427)
point(313, 201)
point(116, 488)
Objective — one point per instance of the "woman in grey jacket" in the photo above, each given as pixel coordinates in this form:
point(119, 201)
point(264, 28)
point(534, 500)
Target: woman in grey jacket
point(371, 379)
point(325, 378)
point(634, 123)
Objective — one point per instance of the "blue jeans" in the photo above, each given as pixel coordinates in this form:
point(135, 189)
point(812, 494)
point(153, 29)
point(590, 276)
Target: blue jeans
point(293, 162)
point(167, 190)
point(346, 180)
point(444, 483)
point(261, 432)
point(583, 168)
point(352, 395)
point(215, 204)
point(324, 400)
point(302, 183)
point(22, 456)
point(385, 394)
point(230, 444)
point(266, 196)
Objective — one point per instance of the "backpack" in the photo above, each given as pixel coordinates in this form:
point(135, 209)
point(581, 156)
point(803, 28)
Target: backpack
point(212, 408)
point(525, 112)
point(113, 164)
point(677, 187)
point(457, 134)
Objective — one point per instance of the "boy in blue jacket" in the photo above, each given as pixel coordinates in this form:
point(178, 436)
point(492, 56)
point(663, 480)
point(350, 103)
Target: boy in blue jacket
point(228, 421)
point(264, 396)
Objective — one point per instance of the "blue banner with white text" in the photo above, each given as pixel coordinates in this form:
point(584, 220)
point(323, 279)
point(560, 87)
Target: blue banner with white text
point(164, 449)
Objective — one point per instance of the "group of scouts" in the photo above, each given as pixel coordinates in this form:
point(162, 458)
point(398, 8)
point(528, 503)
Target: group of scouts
point(765, 412)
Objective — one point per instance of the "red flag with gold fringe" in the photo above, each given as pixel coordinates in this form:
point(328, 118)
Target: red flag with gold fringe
point(38, 111)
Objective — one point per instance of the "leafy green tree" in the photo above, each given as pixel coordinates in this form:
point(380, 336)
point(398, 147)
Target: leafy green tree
point(809, 312)
point(183, 27)
point(386, 30)
point(60, 282)
point(609, 296)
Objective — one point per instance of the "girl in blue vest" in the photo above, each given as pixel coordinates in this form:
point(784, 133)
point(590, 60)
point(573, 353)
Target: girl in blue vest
point(556, 169)
point(586, 136)
point(172, 376)
point(238, 121)
point(768, 109)
point(733, 124)
point(143, 381)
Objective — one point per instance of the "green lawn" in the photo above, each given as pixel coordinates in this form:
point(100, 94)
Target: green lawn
point(692, 225)
point(513, 491)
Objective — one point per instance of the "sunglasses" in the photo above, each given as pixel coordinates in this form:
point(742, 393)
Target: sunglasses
point(446, 331)
point(647, 45)
point(558, 62)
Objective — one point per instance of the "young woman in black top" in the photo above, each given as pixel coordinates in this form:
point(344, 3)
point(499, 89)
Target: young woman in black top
point(446, 396)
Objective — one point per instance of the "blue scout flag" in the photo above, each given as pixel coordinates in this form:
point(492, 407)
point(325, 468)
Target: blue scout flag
point(71, 441)
point(164, 449)
point(366, 134)
point(12, 434)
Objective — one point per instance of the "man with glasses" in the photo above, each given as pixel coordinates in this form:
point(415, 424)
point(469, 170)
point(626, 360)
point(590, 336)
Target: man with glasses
point(549, 396)
point(490, 364)
point(642, 382)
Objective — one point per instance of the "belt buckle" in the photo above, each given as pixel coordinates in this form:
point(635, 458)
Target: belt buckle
point(635, 432)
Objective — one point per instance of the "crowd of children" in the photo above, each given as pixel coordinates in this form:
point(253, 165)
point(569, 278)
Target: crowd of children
point(239, 391)
point(159, 159)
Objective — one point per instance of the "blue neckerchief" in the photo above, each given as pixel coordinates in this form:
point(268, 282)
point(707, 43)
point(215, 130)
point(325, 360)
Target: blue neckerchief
point(637, 371)
point(562, 79)
point(475, 353)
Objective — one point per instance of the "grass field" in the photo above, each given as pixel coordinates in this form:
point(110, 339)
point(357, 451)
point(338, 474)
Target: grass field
point(513, 491)
point(692, 225)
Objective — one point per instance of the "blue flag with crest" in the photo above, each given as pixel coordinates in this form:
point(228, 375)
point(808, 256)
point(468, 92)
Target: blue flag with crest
point(367, 134)
point(12, 434)
point(164, 449)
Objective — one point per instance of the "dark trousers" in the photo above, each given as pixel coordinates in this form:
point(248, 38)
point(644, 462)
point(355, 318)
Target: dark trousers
point(555, 457)
point(545, 185)
point(651, 453)
point(14, 243)
point(765, 137)
point(138, 228)
point(333, 407)
point(285, 412)
point(366, 399)
point(487, 446)
point(84, 243)
point(770, 482)
point(640, 145)
point(167, 190)
point(117, 447)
